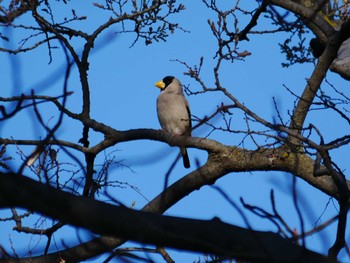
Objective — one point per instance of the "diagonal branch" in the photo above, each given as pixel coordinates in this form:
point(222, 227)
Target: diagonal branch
point(219, 238)
point(312, 87)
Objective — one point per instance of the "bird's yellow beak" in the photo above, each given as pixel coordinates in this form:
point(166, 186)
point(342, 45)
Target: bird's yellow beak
point(160, 84)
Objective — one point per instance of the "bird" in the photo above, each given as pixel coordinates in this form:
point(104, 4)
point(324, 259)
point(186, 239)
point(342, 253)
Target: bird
point(173, 111)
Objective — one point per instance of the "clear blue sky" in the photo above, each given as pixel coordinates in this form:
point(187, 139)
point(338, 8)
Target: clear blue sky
point(123, 97)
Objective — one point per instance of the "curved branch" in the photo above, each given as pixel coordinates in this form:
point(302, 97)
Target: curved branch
point(219, 238)
point(312, 19)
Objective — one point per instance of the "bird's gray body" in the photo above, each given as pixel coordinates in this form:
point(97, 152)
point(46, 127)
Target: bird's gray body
point(173, 111)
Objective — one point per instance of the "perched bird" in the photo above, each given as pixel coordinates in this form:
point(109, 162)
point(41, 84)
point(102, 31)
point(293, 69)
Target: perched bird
point(173, 111)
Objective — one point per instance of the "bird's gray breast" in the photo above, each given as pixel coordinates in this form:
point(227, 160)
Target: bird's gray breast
point(172, 113)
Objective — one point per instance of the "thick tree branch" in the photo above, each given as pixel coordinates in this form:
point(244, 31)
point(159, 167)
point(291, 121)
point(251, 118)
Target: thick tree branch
point(218, 237)
point(233, 159)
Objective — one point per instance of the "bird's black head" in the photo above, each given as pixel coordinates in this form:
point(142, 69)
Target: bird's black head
point(167, 80)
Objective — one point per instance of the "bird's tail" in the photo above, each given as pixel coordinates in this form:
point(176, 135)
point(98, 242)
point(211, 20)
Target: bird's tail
point(185, 158)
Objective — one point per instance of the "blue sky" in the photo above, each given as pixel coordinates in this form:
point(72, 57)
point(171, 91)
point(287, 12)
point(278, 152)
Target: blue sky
point(123, 97)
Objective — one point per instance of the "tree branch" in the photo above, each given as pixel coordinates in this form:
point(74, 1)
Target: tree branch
point(218, 237)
